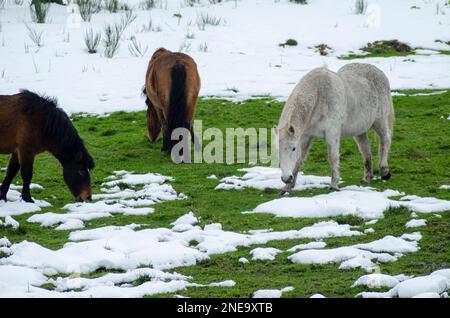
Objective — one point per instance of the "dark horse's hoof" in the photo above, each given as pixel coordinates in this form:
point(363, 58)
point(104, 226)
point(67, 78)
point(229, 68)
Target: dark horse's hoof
point(28, 199)
point(387, 176)
point(282, 192)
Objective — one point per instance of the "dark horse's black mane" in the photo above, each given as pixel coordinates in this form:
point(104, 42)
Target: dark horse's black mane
point(58, 126)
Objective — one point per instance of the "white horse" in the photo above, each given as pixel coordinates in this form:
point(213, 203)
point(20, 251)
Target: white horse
point(332, 105)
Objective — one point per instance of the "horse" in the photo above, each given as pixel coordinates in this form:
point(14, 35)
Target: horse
point(31, 124)
point(330, 105)
point(172, 86)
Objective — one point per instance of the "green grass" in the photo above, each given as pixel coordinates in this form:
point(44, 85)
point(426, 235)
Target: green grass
point(419, 160)
point(384, 48)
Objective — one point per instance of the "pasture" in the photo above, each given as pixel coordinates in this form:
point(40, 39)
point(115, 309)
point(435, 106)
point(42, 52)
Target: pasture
point(419, 160)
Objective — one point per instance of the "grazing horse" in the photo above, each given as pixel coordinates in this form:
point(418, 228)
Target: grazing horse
point(31, 124)
point(172, 85)
point(331, 106)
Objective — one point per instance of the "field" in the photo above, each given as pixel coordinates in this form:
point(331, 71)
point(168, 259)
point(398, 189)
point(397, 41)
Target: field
point(160, 229)
point(419, 161)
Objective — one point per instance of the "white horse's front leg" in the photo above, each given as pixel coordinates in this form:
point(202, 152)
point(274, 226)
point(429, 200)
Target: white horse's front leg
point(333, 143)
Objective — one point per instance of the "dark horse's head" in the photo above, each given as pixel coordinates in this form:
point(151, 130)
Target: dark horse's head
point(62, 140)
point(77, 167)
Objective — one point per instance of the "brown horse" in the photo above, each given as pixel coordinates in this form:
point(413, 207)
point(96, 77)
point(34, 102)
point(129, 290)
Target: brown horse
point(172, 85)
point(31, 124)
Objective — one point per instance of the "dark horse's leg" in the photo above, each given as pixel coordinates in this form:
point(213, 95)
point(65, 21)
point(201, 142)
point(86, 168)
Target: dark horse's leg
point(26, 170)
point(11, 172)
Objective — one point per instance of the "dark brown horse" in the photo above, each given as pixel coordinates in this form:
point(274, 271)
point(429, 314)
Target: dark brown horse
point(172, 85)
point(31, 124)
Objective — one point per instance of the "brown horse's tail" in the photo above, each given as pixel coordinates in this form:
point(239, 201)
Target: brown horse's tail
point(177, 105)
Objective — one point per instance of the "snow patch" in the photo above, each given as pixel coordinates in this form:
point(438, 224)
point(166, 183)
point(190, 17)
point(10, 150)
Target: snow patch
point(264, 253)
point(269, 178)
point(416, 223)
point(271, 293)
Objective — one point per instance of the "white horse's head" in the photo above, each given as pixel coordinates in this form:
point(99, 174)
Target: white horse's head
point(289, 148)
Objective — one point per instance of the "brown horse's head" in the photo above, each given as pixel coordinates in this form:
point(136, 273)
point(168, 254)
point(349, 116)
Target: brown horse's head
point(77, 175)
point(58, 135)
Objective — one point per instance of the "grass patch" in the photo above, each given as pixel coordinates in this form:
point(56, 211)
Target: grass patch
point(419, 160)
point(289, 42)
point(384, 48)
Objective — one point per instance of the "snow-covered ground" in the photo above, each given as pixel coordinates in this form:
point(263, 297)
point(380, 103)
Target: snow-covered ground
point(364, 202)
point(150, 253)
point(242, 54)
point(435, 285)
point(242, 59)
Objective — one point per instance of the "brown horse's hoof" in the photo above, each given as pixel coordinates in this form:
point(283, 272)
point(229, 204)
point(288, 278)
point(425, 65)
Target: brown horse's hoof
point(283, 192)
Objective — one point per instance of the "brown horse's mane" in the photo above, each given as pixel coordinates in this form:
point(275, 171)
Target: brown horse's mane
point(58, 126)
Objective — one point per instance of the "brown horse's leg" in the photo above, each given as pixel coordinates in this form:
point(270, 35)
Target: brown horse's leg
point(11, 172)
point(26, 170)
point(153, 125)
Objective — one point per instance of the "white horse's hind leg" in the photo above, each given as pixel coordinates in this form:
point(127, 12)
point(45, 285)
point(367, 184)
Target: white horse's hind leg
point(364, 147)
point(383, 130)
point(305, 144)
point(333, 143)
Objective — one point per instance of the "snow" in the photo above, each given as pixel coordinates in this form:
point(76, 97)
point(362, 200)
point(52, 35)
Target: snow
point(132, 179)
point(5, 246)
point(243, 260)
point(352, 200)
point(68, 283)
point(364, 202)
point(416, 223)
point(264, 177)
point(188, 218)
point(433, 286)
point(386, 249)
point(15, 205)
point(444, 187)
point(317, 296)
point(126, 248)
point(307, 246)
point(369, 230)
point(244, 43)
point(376, 281)
point(10, 222)
point(16, 279)
point(271, 293)
point(416, 236)
point(427, 295)
point(424, 204)
point(115, 201)
point(264, 253)
point(4, 242)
